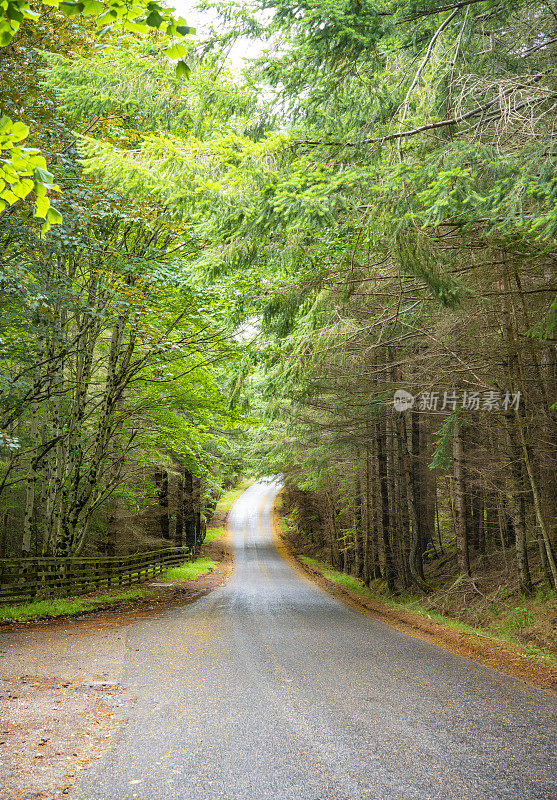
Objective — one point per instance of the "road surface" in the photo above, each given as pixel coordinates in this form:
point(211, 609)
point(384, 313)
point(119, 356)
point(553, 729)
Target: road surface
point(269, 689)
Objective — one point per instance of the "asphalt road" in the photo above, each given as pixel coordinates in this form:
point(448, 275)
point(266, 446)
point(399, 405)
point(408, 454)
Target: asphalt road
point(270, 689)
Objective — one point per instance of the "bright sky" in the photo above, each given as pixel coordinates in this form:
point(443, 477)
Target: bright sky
point(202, 20)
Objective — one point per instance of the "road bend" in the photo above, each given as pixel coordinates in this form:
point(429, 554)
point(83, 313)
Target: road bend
point(270, 689)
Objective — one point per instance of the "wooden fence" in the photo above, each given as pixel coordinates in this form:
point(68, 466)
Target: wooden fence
point(24, 579)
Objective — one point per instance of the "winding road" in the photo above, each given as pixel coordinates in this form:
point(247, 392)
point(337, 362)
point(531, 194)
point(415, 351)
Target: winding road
point(269, 689)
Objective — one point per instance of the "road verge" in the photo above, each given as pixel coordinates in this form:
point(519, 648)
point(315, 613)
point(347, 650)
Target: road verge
point(493, 653)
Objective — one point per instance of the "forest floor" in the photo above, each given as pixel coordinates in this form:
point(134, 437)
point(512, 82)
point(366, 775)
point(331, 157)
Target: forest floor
point(435, 622)
point(59, 692)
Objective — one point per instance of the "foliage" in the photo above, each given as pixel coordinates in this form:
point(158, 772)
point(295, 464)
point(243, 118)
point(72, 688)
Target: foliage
point(376, 200)
point(23, 169)
point(115, 358)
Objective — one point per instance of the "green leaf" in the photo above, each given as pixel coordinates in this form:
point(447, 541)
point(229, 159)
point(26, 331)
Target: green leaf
point(44, 176)
point(92, 7)
point(12, 12)
point(154, 20)
point(184, 30)
point(41, 207)
point(176, 51)
point(182, 70)
point(134, 27)
point(53, 216)
point(9, 196)
point(19, 131)
point(22, 189)
point(71, 9)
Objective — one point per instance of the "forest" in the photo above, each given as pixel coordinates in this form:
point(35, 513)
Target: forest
point(334, 263)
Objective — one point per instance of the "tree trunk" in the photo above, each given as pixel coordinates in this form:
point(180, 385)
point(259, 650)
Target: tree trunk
point(389, 573)
point(189, 512)
point(518, 511)
point(463, 558)
point(358, 527)
point(197, 509)
point(161, 482)
point(415, 563)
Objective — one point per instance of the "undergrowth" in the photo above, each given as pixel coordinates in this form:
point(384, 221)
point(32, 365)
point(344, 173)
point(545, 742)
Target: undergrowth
point(213, 534)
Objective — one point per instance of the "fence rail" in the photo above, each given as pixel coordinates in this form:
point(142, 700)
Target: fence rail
point(44, 577)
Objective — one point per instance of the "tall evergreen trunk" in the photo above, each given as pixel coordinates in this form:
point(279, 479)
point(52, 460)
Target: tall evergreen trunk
point(419, 537)
point(161, 482)
point(368, 515)
point(189, 512)
point(334, 553)
point(415, 563)
point(514, 373)
point(389, 573)
point(537, 502)
point(518, 510)
point(463, 557)
point(404, 524)
point(358, 524)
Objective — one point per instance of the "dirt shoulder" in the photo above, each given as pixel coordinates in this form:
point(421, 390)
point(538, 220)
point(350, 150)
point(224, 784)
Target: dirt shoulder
point(60, 697)
point(491, 653)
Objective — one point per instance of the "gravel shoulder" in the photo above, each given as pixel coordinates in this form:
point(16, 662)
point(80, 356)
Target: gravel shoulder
point(60, 696)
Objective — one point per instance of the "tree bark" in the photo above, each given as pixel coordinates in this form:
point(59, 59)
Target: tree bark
point(161, 482)
point(463, 557)
point(389, 573)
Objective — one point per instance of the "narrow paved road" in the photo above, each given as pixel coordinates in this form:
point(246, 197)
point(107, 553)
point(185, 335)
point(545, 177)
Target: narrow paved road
point(270, 689)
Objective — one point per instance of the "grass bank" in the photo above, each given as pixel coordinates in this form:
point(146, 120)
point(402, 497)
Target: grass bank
point(65, 606)
point(190, 570)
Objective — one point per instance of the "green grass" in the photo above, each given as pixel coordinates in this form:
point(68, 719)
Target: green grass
point(313, 562)
point(63, 606)
point(409, 603)
point(413, 605)
point(58, 607)
point(213, 534)
point(348, 581)
point(286, 528)
point(190, 570)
